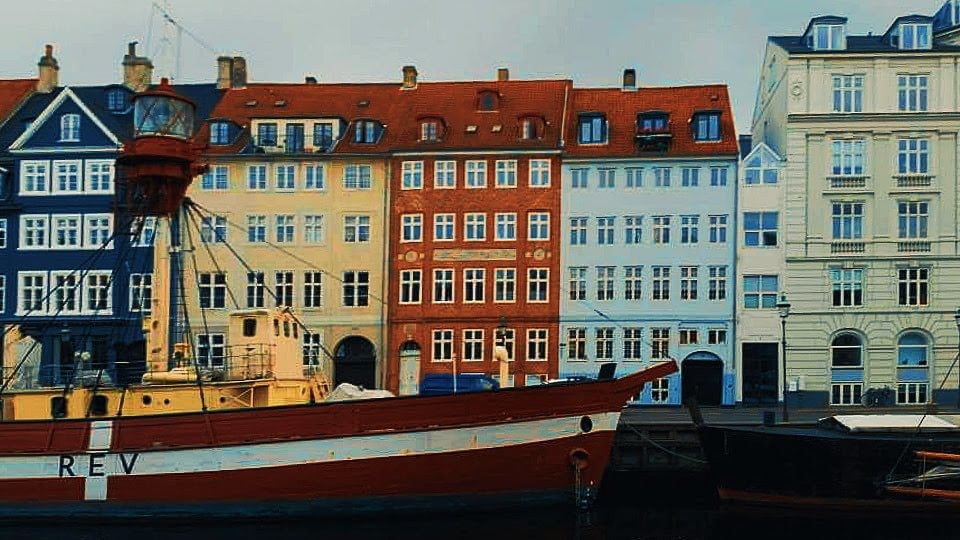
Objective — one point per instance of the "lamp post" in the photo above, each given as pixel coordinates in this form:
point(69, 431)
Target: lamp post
point(956, 318)
point(783, 307)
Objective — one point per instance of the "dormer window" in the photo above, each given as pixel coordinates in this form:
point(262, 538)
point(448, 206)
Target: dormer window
point(531, 128)
point(706, 126)
point(219, 133)
point(322, 136)
point(366, 132)
point(592, 129)
point(655, 122)
point(429, 131)
point(267, 134)
point(70, 128)
point(487, 101)
point(829, 37)
point(116, 100)
point(914, 36)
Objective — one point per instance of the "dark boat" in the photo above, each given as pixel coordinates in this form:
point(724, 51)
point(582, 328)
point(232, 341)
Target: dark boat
point(843, 462)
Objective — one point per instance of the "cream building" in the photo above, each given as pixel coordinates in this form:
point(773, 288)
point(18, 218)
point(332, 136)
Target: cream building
point(868, 128)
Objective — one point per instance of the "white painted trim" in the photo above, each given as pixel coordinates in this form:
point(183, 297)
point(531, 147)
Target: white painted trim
point(61, 149)
point(505, 152)
point(51, 108)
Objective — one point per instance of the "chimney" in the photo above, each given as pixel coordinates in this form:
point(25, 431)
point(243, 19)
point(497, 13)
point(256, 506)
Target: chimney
point(48, 77)
point(224, 72)
point(309, 79)
point(629, 79)
point(137, 70)
point(238, 78)
point(409, 77)
point(503, 74)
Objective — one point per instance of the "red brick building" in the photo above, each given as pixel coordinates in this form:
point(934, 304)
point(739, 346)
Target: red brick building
point(474, 247)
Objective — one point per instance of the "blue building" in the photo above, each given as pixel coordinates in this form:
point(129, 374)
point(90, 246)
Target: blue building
point(648, 206)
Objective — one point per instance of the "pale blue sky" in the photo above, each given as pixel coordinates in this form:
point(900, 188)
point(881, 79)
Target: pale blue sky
point(667, 41)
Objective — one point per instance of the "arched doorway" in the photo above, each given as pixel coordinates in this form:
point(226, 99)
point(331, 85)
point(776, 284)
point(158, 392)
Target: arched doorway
point(409, 368)
point(701, 376)
point(355, 362)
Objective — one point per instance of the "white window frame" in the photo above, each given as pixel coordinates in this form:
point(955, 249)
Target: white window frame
point(285, 228)
point(315, 178)
point(145, 235)
point(141, 287)
point(442, 342)
point(94, 172)
point(411, 286)
point(539, 174)
point(42, 243)
point(472, 347)
point(313, 229)
point(284, 177)
point(444, 288)
point(538, 285)
point(78, 231)
point(474, 227)
point(38, 291)
point(312, 289)
point(538, 226)
point(847, 93)
point(538, 344)
point(441, 222)
point(506, 173)
point(357, 223)
point(257, 177)
point(476, 174)
point(411, 228)
point(74, 281)
point(505, 227)
point(504, 285)
point(445, 174)
point(93, 281)
point(77, 173)
point(70, 127)
point(474, 279)
point(411, 175)
point(35, 174)
point(3, 233)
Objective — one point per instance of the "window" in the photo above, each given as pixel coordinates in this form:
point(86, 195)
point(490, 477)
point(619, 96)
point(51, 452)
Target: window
point(33, 231)
point(411, 227)
point(66, 232)
point(365, 132)
point(913, 286)
point(578, 283)
point(65, 293)
point(913, 156)
point(632, 343)
point(661, 229)
point(97, 291)
point(31, 293)
point(213, 229)
point(256, 228)
point(356, 288)
point(537, 344)
point(706, 126)
point(66, 176)
point(660, 343)
point(634, 177)
point(323, 136)
point(488, 101)
point(356, 229)
point(442, 346)
point(661, 282)
point(578, 178)
point(357, 177)
point(538, 284)
point(475, 226)
point(312, 289)
point(848, 93)
point(116, 100)
point(914, 36)
point(473, 285)
point(315, 177)
point(688, 282)
point(444, 227)
point(539, 173)
point(760, 228)
point(313, 229)
point(99, 176)
point(647, 122)
point(912, 350)
point(285, 177)
point(605, 285)
point(912, 92)
point(412, 175)
point(608, 178)
point(847, 220)
point(143, 231)
point(267, 134)
point(506, 173)
point(592, 129)
point(312, 348)
point(3, 233)
point(912, 217)
point(848, 157)
point(760, 292)
point(716, 336)
point(847, 286)
point(35, 177)
point(761, 169)
point(445, 174)
point(219, 133)
point(632, 282)
point(690, 176)
point(689, 336)
point(578, 231)
point(605, 230)
point(538, 226)
point(846, 350)
point(99, 230)
point(660, 390)
point(215, 179)
point(689, 229)
point(507, 226)
point(476, 174)
point(718, 229)
point(3, 294)
point(70, 128)
point(505, 285)
point(255, 290)
point(410, 286)
point(717, 287)
point(472, 345)
point(528, 129)
point(846, 393)
point(443, 286)
point(212, 288)
point(285, 228)
point(633, 229)
point(257, 177)
point(829, 37)
point(211, 350)
point(576, 344)
point(604, 343)
point(429, 131)
point(141, 292)
point(718, 176)
point(661, 176)
point(912, 393)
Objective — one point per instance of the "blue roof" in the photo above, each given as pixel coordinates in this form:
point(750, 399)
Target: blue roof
point(857, 44)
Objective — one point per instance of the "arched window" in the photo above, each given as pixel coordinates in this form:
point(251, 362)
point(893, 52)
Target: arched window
point(912, 349)
point(846, 350)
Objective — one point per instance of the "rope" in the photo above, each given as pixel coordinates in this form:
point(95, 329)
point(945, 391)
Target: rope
point(664, 449)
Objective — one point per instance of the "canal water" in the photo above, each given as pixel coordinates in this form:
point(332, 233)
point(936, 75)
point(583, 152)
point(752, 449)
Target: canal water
point(664, 509)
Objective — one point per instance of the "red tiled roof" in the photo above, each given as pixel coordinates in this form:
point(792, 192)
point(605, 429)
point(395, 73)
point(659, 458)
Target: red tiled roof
point(12, 94)
point(621, 109)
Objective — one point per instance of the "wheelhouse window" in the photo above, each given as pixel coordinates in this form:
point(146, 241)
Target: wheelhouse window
point(592, 129)
point(706, 126)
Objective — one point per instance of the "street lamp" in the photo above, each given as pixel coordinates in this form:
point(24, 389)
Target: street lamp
point(956, 318)
point(783, 307)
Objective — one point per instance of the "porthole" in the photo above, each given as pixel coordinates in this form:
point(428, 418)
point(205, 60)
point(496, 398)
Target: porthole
point(586, 424)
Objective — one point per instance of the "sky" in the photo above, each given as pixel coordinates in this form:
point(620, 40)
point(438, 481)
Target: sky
point(590, 41)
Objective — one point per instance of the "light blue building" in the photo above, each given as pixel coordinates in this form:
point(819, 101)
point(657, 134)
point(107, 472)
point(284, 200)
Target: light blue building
point(648, 251)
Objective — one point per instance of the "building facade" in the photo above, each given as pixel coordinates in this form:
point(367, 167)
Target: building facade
point(649, 185)
point(868, 127)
